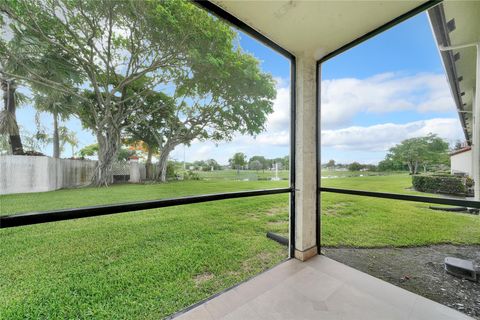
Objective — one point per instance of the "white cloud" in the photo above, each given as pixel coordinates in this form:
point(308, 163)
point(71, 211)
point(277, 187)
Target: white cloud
point(383, 136)
point(273, 142)
point(281, 138)
point(279, 120)
point(277, 127)
point(343, 99)
point(203, 152)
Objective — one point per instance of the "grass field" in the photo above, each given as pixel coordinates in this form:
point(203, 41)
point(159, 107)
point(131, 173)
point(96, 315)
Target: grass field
point(72, 198)
point(146, 265)
point(370, 222)
point(251, 175)
point(142, 265)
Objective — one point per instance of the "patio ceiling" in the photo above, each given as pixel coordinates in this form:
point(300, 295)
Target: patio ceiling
point(316, 27)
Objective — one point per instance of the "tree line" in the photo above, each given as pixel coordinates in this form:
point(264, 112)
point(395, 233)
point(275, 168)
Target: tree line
point(157, 73)
point(412, 155)
point(238, 161)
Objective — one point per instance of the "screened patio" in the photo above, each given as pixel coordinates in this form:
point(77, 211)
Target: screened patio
point(308, 285)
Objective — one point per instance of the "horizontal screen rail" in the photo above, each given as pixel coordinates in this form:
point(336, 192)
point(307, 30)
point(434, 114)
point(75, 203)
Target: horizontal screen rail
point(23, 219)
point(405, 197)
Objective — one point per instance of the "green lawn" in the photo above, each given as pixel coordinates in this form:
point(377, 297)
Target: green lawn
point(146, 265)
point(344, 174)
point(243, 175)
point(395, 183)
point(142, 265)
point(72, 198)
point(371, 222)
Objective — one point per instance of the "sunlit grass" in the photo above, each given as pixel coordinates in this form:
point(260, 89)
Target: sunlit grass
point(140, 265)
point(372, 222)
point(88, 196)
point(149, 264)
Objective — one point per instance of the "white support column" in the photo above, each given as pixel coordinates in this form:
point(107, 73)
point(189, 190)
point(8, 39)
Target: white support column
point(305, 162)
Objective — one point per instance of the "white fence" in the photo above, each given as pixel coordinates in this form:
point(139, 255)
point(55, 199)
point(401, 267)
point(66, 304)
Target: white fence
point(23, 174)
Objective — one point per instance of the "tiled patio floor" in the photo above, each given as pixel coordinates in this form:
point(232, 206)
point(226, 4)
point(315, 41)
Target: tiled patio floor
point(320, 288)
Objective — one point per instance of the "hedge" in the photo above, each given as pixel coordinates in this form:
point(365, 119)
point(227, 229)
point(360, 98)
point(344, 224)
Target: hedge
point(446, 184)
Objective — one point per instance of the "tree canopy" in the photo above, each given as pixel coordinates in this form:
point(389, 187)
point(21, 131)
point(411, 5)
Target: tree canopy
point(114, 57)
point(420, 151)
point(238, 160)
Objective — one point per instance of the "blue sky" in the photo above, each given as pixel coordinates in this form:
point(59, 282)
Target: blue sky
point(387, 89)
point(401, 71)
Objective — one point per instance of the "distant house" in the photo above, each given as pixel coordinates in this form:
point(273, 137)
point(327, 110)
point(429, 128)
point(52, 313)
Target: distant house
point(461, 161)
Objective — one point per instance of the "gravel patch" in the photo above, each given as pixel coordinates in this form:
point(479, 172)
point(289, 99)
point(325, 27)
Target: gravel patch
point(419, 270)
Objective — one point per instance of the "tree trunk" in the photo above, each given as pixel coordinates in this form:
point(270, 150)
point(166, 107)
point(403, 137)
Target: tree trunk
point(56, 140)
point(148, 165)
point(163, 162)
point(410, 167)
point(15, 140)
point(108, 145)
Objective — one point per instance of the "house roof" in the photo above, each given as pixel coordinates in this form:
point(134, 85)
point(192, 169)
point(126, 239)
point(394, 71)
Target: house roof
point(457, 23)
point(462, 150)
point(315, 27)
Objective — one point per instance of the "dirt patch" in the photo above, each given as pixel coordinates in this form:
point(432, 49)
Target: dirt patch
point(203, 277)
point(249, 265)
point(262, 258)
point(275, 211)
point(419, 270)
point(277, 223)
point(333, 209)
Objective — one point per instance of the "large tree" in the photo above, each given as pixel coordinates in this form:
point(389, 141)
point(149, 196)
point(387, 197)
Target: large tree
point(237, 161)
point(330, 164)
point(264, 162)
point(114, 44)
point(255, 165)
point(148, 130)
point(420, 151)
point(230, 95)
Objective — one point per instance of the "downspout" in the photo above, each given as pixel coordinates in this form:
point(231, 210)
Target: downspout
point(476, 118)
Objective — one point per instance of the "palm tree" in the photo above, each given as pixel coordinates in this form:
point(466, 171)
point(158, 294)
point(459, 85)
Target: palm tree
point(47, 98)
point(66, 136)
point(60, 106)
point(8, 120)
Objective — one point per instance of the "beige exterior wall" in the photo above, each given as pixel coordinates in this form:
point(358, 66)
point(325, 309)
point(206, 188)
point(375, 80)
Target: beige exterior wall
point(462, 163)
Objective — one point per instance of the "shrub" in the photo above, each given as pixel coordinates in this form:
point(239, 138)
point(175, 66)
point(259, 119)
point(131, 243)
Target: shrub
point(446, 184)
point(171, 171)
point(190, 175)
point(469, 182)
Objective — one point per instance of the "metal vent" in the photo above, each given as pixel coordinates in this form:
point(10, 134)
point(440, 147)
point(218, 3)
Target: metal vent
point(451, 25)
